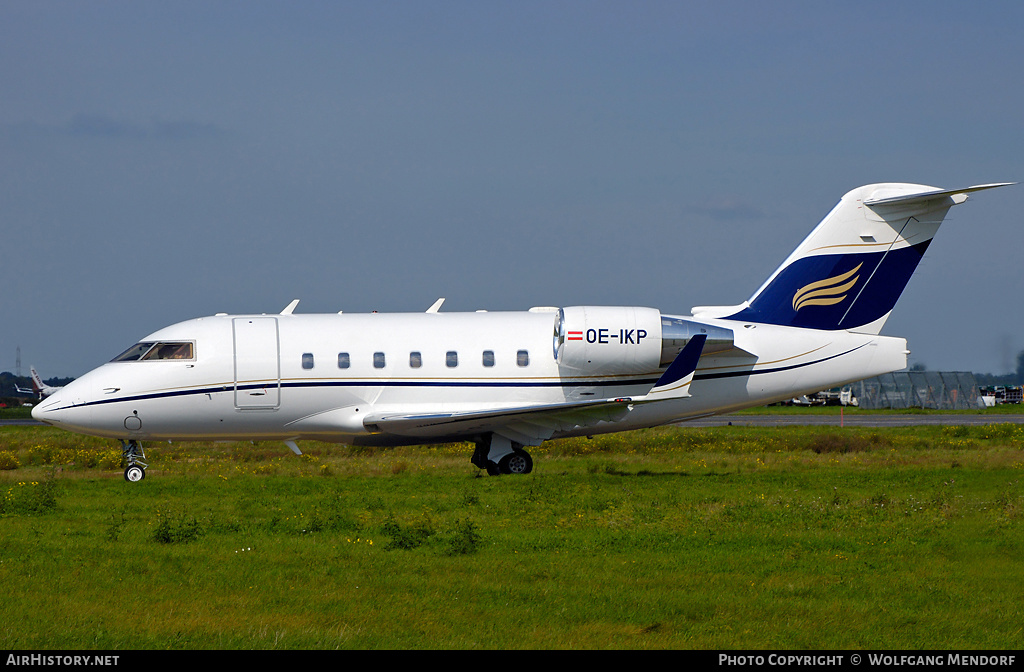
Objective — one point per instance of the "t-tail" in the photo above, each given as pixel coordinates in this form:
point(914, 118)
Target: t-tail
point(37, 383)
point(41, 388)
point(850, 271)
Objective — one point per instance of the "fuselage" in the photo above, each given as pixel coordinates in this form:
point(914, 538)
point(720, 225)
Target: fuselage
point(318, 376)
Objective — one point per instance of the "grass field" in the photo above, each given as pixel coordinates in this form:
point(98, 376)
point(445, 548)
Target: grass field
point(730, 537)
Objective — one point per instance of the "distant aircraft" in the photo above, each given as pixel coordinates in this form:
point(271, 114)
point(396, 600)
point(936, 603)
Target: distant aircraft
point(39, 387)
point(508, 380)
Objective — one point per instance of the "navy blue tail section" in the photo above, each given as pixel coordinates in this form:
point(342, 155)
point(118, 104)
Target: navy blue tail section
point(835, 291)
point(850, 271)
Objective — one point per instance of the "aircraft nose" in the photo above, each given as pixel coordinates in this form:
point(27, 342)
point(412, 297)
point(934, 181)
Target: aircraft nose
point(72, 406)
point(46, 410)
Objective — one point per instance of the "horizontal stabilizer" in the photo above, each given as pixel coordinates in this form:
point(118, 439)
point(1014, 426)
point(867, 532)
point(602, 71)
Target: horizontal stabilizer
point(921, 197)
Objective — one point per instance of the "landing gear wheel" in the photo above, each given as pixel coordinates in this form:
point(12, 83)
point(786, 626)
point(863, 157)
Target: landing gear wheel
point(518, 462)
point(498, 455)
point(133, 455)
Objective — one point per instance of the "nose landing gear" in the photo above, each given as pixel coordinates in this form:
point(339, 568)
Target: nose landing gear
point(133, 454)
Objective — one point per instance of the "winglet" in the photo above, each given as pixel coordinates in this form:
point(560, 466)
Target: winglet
point(675, 382)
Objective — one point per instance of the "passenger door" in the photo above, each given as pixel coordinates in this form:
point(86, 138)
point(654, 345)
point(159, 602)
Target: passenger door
point(257, 363)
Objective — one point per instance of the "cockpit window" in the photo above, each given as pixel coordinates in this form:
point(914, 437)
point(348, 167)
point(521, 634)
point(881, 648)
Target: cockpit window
point(150, 351)
point(133, 353)
point(169, 351)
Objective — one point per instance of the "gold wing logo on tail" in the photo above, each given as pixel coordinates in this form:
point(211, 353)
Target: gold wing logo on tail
point(826, 292)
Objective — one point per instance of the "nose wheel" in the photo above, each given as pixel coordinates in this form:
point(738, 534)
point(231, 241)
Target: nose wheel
point(133, 454)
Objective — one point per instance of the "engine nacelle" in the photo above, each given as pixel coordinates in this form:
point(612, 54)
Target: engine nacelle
point(608, 340)
point(676, 332)
point(616, 340)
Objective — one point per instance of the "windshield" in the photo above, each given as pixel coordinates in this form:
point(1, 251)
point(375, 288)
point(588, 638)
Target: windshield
point(150, 351)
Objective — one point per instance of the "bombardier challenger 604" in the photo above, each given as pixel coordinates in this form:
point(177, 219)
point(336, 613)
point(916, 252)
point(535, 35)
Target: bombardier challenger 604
point(509, 380)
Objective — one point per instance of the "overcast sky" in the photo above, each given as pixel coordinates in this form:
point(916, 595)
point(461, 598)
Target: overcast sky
point(161, 161)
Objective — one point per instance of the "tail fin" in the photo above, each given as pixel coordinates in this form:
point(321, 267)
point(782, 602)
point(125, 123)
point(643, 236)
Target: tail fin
point(37, 382)
point(849, 272)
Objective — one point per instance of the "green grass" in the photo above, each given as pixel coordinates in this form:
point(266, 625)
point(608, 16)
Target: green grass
point(731, 537)
point(16, 413)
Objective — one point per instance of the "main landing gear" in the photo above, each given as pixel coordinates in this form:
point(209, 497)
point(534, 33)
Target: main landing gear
point(133, 454)
point(499, 455)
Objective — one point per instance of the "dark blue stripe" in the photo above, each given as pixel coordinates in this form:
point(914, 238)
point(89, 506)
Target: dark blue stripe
point(220, 389)
point(737, 374)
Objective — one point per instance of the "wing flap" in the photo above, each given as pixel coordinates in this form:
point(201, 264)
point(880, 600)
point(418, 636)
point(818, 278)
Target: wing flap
point(530, 425)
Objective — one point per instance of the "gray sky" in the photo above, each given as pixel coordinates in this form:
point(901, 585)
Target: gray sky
point(166, 160)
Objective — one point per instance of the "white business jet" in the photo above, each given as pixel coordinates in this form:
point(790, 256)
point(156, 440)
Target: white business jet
point(508, 380)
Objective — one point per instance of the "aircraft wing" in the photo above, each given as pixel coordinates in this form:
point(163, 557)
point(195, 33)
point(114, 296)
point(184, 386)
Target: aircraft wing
point(533, 424)
point(528, 425)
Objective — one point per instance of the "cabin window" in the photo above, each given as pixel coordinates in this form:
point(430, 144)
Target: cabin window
point(451, 359)
point(523, 358)
point(307, 360)
point(343, 360)
point(150, 351)
point(415, 360)
point(378, 360)
point(488, 357)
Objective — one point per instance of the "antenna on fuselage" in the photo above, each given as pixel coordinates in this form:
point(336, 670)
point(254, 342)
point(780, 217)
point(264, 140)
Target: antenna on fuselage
point(437, 306)
point(290, 307)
